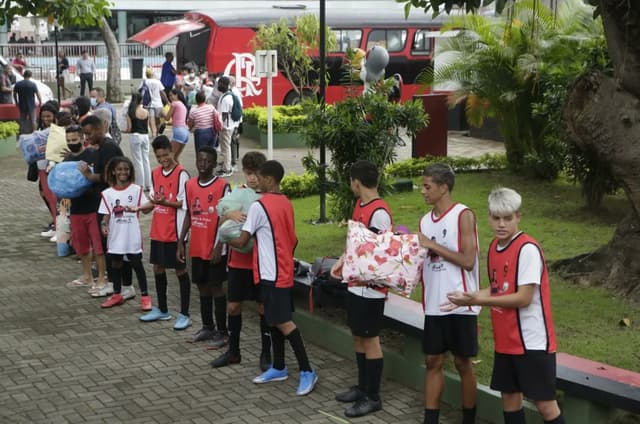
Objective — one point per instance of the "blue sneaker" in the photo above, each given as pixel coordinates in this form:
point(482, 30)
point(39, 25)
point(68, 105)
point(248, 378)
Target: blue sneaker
point(272, 374)
point(182, 322)
point(308, 380)
point(156, 314)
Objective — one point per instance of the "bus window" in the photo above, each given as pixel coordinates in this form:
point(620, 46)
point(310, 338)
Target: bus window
point(347, 38)
point(391, 39)
point(422, 43)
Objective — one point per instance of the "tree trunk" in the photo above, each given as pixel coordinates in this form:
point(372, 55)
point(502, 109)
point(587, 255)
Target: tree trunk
point(114, 94)
point(602, 114)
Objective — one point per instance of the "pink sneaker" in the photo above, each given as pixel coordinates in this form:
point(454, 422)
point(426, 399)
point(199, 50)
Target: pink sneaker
point(112, 301)
point(145, 303)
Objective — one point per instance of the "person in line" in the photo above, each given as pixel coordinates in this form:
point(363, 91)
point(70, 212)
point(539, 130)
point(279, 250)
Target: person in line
point(178, 114)
point(94, 131)
point(203, 120)
point(7, 80)
point(168, 75)
point(119, 209)
point(365, 301)
point(241, 286)
point(63, 73)
point(48, 113)
point(225, 105)
point(208, 255)
point(20, 63)
point(85, 233)
point(137, 127)
point(86, 68)
point(270, 220)
point(99, 101)
point(156, 92)
point(168, 182)
point(450, 234)
point(81, 108)
point(25, 93)
point(520, 300)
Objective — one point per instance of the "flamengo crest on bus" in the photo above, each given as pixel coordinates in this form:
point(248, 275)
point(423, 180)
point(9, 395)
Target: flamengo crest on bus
point(243, 67)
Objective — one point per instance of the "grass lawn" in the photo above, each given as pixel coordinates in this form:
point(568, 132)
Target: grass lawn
point(586, 319)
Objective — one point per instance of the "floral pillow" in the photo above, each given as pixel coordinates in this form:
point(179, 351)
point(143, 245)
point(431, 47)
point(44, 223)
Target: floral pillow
point(394, 260)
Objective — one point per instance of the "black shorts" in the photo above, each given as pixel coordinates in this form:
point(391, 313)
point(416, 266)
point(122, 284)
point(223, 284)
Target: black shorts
point(533, 374)
point(278, 303)
point(241, 286)
point(457, 334)
point(164, 254)
point(364, 315)
point(205, 272)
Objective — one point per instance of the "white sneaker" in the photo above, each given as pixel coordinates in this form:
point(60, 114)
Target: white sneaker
point(48, 234)
point(128, 292)
point(53, 239)
point(107, 290)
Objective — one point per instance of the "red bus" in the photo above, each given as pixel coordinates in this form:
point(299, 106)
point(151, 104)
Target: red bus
point(219, 39)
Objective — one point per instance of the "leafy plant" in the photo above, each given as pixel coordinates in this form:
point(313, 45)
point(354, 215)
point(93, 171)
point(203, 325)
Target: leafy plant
point(415, 166)
point(285, 118)
point(8, 129)
point(295, 186)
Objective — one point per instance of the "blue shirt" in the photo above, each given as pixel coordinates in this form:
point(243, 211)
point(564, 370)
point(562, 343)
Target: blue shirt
point(167, 78)
point(26, 92)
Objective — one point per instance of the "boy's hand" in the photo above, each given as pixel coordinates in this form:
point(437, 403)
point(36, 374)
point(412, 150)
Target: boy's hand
point(105, 229)
point(158, 198)
point(216, 254)
point(461, 298)
point(425, 242)
point(236, 215)
point(133, 209)
point(84, 168)
point(180, 252)
point(336, 269)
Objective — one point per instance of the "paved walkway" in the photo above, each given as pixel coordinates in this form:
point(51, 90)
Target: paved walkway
point(64, 360)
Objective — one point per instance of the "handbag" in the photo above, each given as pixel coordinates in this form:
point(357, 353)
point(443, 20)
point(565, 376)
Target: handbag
point(32, 171)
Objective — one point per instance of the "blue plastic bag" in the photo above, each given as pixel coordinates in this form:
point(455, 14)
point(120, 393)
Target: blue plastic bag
point(66, 181)
point(34, 145)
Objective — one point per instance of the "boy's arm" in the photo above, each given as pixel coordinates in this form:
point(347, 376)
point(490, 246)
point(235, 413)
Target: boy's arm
point(241, 241)
point(104, 226)
point(186, 225)
point(466, 258)
point(520, 299)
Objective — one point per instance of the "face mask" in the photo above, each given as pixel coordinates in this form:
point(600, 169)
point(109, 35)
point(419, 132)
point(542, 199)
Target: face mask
point(94, 101)
point(75, 147)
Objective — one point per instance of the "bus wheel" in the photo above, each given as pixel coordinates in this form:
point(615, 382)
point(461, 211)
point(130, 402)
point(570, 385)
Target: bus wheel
point(293, 98)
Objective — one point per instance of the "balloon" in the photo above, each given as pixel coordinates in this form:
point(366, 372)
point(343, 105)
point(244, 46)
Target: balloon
point(376, 60)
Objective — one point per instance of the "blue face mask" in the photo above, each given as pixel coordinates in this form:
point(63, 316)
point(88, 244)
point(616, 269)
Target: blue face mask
point(94, 102)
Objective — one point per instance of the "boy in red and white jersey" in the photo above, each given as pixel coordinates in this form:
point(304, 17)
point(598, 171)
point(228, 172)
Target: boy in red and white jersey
point(449, 232)
point(208, 256)
point(520, 301)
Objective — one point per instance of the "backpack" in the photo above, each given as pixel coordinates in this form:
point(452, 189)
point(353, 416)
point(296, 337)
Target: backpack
point(146, 94)
point(326, 290)
point(236, 110)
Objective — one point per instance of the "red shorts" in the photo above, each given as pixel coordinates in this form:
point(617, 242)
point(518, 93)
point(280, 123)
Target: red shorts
point(85, 234)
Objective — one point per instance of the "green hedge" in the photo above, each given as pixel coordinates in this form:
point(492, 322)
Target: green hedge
point(307, 184)
point(285, 118)
point(8, 129)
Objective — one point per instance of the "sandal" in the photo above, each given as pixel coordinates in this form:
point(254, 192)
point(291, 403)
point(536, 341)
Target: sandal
point(78, 282)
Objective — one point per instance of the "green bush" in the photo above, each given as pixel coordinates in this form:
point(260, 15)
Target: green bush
point(414, 167)
point(8, 129)
point(286, 119)
point(295, 186)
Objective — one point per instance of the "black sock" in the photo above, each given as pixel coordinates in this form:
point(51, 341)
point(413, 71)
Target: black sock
point(432, 416)
point(127, 275)
point(514, 417)
point(220, 303)
point(116, 279)
point(206, 311)
point(235, 325)
point(161, 291)
point(557, 420)
point(265, 335)
point(141, 274)
point(374, 377)
point(295, 340)
point(185, 293)
point(277, 340)
point(361, 360)
point(469, 415)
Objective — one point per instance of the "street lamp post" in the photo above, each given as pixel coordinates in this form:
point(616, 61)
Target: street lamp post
point(322, 170)
point(55, 38)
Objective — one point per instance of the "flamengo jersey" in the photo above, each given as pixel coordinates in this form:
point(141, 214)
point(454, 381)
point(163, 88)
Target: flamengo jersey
point(439, 276)
point(201, 201)
point(167, 221)
point(364, 213)
point(271, 221)
point(124, 227)
point(518, 329)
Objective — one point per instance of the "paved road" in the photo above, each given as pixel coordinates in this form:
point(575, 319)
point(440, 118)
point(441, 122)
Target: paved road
point(64, 360)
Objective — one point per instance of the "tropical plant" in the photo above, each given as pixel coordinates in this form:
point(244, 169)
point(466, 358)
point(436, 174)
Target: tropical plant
point(8, 129)
point(362, 127)
point(295, 47)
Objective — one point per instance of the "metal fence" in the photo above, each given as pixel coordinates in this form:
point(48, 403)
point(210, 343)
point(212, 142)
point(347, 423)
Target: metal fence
point(41, 58)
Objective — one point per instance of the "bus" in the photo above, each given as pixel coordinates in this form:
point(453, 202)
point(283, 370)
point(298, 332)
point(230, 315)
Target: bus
point(219, 40)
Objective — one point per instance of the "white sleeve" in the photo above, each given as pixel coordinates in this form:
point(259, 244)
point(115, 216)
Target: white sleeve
point(255, 218)
point(184, 177)
point(529, 265)
point(380, 220)
point(103, 209)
